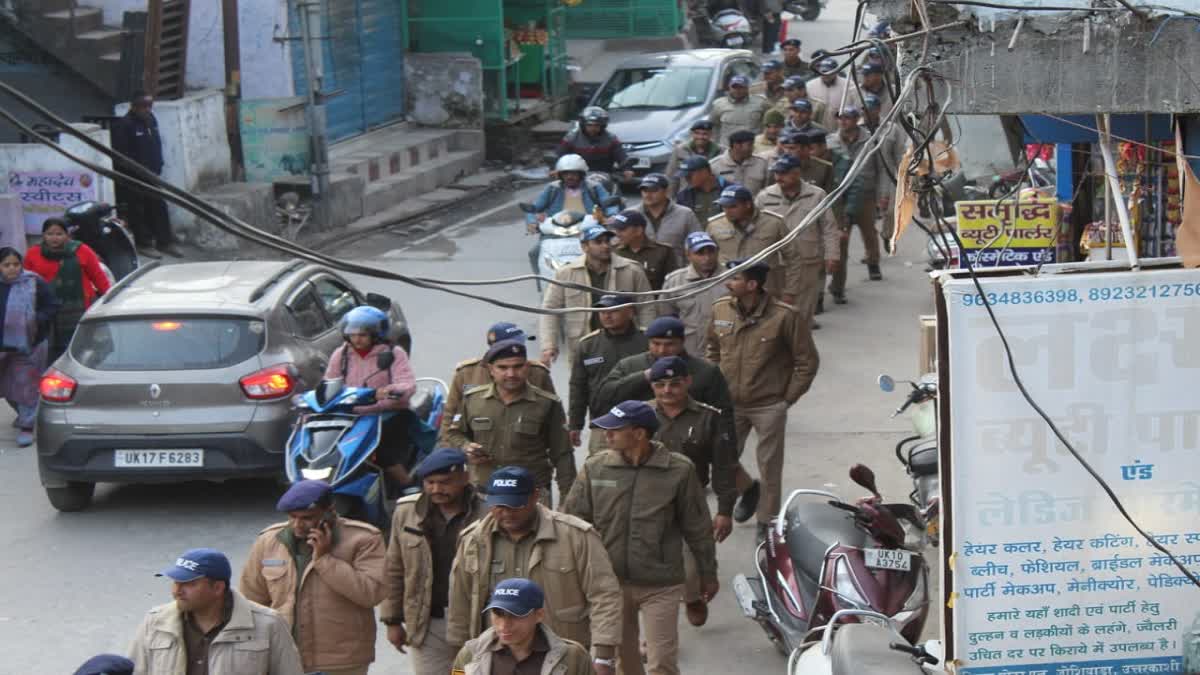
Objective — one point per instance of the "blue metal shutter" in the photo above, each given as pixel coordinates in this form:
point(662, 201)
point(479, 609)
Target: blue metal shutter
point(382, 48)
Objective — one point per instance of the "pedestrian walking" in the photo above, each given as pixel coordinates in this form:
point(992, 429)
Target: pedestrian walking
point(856, 207)
point(630, 381)
point(520, 538)
point(800, 117)
point(703, 189)
point(833, 90)
point(701, 144)
point(324, 575)
point(657, 260)
point(693, 429)
point(695, 310)
point(106, 664)
point(766, 143)
point(794, 65)
point(765, 349)
point(739, 165)
point(510, 422)
point(27, 310)
point(211, 628)
point(737, 110)
point(745, 230)
point(519, 642)
point(597, 268)
point(74, 272)
point(891, 153)
point(646, 501)
point(471, 373)
point(600, 350)
point(423, 541)
point(666, 221)
point(137, 137)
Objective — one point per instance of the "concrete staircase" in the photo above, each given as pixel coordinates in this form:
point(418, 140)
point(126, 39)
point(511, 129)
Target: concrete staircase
point(78, 38)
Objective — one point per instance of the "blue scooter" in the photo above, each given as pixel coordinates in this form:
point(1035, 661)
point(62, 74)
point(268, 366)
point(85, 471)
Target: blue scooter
point(331, 442)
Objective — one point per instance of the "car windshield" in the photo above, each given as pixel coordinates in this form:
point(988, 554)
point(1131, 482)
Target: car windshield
point(162, 343)
point(660, 87)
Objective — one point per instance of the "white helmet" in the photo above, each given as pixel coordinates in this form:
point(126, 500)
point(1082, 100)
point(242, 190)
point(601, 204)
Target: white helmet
point(571, 163)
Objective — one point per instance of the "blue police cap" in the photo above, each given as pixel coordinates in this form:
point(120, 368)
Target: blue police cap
point(510, 486)
point(305, 494)
point(771, 65)
point(516, 596)
point(654, 181)
point(786, 163)
point(612, 300)
point(795, 82)
point(106, 664)
point(827, 66)
point(505, 349)
point(871, 102)
point(592, 232)
point(504, 331)
point(668, 367)
point(629, 414)
point(627, 218)
point(791, 42)
point(199, 562)
point(693, 163)
point(665, 327)
point(733, 194)
point(739, 81)
point(850, 111)
point(871, 69)
point(442, 460)
point(699, 240)
point(800, 104)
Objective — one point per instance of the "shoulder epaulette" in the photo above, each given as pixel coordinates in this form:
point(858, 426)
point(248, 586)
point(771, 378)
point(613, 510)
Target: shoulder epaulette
point(543, 393)
point(467, 362)
point(273, 528)
point(711, 408)
point(476, 389)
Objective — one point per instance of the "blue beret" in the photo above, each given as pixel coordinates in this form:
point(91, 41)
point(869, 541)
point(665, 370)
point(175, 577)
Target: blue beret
point(106, 664)
point(668, 367)
point(665, 327)
point(441, 461)
point(303, 495)
point(505, 349)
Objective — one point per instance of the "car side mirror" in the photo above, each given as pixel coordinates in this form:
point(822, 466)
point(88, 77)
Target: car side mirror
point(378, 301)
point(886, 383)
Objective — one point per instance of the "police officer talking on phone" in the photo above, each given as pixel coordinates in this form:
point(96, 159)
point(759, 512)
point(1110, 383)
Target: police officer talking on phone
point(324, 575)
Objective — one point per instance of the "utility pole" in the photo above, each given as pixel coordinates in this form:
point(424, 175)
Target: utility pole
point(233, 84)
point(309, 12)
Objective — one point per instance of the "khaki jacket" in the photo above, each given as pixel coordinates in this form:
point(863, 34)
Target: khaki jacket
point(753, 173)
point(684, 150)
point(583, 597)
point(767, 355)
point(472, 373)
point(624, 276)
point(566, 657)
point(256, 641)
point(764, 229)
point(332, 614)
point(695, 310)
point(820, 239)
point(729, 116)
point(841, 94)
point(410, 564)
point(645, 513)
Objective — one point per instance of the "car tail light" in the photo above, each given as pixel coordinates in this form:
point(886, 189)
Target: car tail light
point(269, 383)
point(57, 387)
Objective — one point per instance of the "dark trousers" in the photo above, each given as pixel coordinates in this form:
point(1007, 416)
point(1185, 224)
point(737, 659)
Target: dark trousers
point(146, 215)
point(770, 32)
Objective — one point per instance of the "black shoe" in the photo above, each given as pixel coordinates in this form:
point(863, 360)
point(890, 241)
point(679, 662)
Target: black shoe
point(748, 504)
point(763, 530)
point(839, 298)
point(873, 273)
point(820, 306)
point(887, 244)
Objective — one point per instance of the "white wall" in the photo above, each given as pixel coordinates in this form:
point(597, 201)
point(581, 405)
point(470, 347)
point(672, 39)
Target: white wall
point(38, 157)
point(266, 63)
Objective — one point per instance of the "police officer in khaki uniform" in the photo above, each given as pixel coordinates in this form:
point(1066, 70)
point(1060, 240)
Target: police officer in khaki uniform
point(765, 349)
point(857, 205)
point(794, 88)
point(694, 430)
point(657, 260)
point(744, 230)
point(646, 501)
point(814, 169)
point(770, 86)
point(766, 143)
point(511, 422)
point(737, 110)
point(600, 350)
point(700, 145)
point(420, 553)
point(794, 199)
point(563, 554)
point(738, 165)
point(891, 153)
point(800, 117)
point(472, 373)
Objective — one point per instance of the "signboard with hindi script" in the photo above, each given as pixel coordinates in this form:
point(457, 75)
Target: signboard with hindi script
point(1047, 578)
point(49, 193)
point(1011, 232)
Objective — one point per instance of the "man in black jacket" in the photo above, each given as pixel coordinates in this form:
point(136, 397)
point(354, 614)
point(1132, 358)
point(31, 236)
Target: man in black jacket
point(136, 136)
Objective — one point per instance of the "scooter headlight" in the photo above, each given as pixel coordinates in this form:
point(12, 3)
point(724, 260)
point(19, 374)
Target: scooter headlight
point(845, 588)
point(317, 474)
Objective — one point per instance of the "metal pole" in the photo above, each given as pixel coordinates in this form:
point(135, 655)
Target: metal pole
point(233, 82)
point(309, 13)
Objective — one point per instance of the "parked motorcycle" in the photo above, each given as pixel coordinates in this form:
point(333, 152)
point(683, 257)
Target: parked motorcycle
point(823, 555)
point(808, 10)
point(731, 29)
point(331, 442)
point(97, 225)
point(872, 644)
point(919, 453)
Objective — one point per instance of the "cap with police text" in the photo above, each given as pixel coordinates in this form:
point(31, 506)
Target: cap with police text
point(827, 66)
point(441, 460)
point(702, 124)
point(106, 664)
point(668, 367)
point(699, 240)
point(612, 300)
point(872, 102)
point(628, 414)
point(801, 104)
point(771, 65)
point(628, 218)
point(693, 163)
point(305, 494)
point(792, 137)
point(850, 111)
point(666, 327)
point(741, 136)
point(196, 563)
point(871, 69)
point(786, 163)
point(795, 82)
point(732, 194)
point(654, 181)
point(510, 486)
point(592, 232)
point(504, 331)
point(505, 349)
point(739, 81)
point(516, 596)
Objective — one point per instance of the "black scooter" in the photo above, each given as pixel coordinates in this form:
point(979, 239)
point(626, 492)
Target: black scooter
point(97, 225)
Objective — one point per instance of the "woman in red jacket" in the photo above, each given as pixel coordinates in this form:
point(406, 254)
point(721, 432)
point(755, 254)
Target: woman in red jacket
point(74, 272)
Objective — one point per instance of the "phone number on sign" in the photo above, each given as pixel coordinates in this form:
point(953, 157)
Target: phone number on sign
point(1101, 294)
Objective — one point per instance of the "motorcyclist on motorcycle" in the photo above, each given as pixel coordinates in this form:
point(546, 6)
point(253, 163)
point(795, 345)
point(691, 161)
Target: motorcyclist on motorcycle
point(571, 192)
point(356, 362)
point(591, 140)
